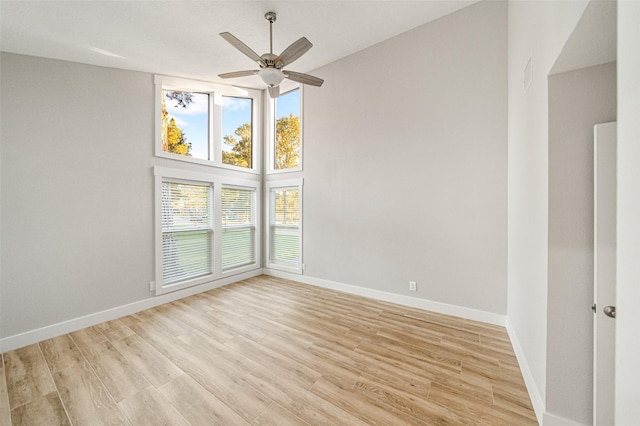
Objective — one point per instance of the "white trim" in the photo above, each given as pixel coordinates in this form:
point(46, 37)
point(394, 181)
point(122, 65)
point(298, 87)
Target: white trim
point(553, 420)
point(38, 335)
point(176, 83)
point(284, 183)
point(170, 173)
point(529, 381)
point(414, 302)
point(240, 183)
point(34, 336)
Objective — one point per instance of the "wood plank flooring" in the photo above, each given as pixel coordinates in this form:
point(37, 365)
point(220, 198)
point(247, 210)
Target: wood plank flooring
point(267, 351)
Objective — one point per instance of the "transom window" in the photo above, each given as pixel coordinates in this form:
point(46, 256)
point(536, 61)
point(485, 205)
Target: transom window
point(208, 123)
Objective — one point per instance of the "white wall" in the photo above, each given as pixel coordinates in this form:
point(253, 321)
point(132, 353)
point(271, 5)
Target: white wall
point(628, 286)
point(538, 30)
point(577, 101)
point(77, 192)
point(405, 164)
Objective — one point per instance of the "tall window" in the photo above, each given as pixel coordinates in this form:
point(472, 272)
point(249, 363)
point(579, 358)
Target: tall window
point(187, 231)
point(237, 135)
point(285, 226)
point(287, 140)
point(238, 227)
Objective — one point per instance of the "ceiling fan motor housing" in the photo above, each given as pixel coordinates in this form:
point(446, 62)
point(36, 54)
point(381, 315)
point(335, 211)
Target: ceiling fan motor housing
point(271, 60)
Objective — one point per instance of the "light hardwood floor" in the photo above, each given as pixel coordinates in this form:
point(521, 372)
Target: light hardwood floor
point(269, 351)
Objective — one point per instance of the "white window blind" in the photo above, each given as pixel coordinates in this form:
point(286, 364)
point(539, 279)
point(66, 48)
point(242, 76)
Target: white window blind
point(186, 231)
point(285, 235)
point(238, 227)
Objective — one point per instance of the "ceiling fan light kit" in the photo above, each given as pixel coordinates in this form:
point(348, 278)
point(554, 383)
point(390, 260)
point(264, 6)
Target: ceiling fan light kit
point(271, 76)
point(271, 72)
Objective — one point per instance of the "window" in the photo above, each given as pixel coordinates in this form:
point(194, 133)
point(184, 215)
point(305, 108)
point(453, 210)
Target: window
point(286, 144)
point(187, 230)
point(185, 123)
point(285, 226)
point(206, 227)
point(237, 139)
point(208, 123)
point(238, 227)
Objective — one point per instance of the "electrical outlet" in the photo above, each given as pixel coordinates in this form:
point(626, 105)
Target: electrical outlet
point(152, 285)
point(413, 286)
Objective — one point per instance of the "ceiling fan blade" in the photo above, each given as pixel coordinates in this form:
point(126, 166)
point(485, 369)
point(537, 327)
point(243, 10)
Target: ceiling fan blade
point(303, 78)
point(235, 74)
point(294, 51)
point(274, 91)
point(235, 42)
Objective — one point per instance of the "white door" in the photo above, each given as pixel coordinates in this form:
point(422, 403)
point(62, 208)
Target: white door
point(604, 273)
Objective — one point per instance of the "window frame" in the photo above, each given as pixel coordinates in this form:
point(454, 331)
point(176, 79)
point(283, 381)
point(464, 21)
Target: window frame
point(270, 129)
point(256, 144)
point(165, 174)
point(215, 92)
point(283, 184)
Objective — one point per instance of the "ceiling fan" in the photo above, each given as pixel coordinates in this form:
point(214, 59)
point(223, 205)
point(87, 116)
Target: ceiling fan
point(271, 65)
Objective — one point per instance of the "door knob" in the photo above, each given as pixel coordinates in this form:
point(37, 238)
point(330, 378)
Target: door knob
point(609, 311)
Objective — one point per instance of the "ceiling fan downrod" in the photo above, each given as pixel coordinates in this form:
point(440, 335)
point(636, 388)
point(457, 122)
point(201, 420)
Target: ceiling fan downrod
point(271, 17)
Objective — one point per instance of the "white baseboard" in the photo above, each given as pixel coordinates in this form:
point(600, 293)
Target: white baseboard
point(532, 388)
point(44, 333)
point(553, 420)
point(34, 336)
point(414, 302)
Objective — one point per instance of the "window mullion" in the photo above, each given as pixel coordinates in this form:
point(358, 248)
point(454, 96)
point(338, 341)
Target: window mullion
point(216, 128)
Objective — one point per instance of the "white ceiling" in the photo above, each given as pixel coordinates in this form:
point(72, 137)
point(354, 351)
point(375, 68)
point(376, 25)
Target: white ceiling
point(180, 38)
point(593, 40)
